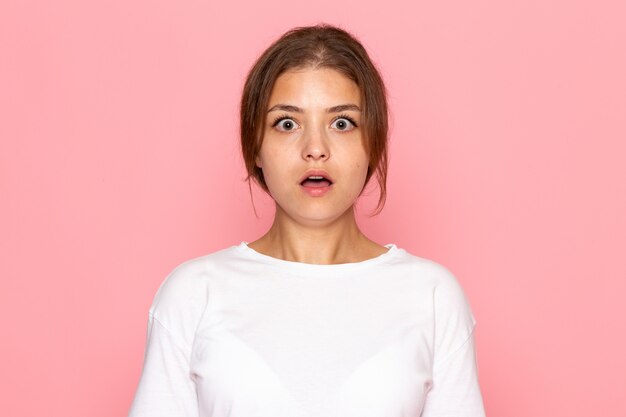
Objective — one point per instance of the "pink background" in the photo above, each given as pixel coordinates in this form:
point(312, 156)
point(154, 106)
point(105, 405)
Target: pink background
point(119, 160)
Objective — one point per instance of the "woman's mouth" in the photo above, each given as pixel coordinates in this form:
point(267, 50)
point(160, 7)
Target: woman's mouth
point(316, 184)
point(316, 181)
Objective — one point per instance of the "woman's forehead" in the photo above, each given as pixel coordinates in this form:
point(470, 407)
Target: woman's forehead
point(309, 88)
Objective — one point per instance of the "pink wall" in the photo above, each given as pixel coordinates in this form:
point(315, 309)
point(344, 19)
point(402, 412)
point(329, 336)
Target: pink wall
point(119, 160)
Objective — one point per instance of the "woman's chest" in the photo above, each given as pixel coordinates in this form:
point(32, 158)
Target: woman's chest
point(313, 351)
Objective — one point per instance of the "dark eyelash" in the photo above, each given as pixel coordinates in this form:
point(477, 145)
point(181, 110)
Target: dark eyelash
point(345, 116)
point(286, 116)
point(280, 119)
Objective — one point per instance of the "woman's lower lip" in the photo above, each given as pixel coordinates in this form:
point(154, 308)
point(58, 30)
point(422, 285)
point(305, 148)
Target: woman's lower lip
point(316, 191)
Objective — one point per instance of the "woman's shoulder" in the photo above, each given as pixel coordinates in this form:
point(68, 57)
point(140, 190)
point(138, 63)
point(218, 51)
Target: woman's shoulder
point(448, 295)
point(425, 268)
point(186, 286)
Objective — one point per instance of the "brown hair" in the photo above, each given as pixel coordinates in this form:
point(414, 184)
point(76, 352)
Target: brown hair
point(320, 46)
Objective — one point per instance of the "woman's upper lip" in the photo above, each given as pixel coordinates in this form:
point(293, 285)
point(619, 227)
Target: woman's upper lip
point(315, 172)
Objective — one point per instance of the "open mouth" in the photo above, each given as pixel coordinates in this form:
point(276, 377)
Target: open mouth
point(316, 181)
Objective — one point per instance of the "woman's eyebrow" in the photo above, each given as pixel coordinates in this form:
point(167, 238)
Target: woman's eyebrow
point(286, 107)
point(334, 109)
point(344, 107)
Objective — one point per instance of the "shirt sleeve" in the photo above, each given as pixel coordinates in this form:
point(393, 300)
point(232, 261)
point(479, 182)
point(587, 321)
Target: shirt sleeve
point(165, 388)
point(455, 390)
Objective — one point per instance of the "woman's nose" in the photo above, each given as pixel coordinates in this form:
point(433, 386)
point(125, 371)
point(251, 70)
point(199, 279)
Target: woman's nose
point(315, 145)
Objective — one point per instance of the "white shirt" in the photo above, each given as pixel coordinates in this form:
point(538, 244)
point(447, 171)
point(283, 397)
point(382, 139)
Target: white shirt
point(236, 333)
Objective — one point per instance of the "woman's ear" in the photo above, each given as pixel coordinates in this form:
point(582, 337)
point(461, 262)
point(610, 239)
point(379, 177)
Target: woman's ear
point(257, 161)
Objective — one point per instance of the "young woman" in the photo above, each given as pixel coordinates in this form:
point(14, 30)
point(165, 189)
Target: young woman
point(313, 318)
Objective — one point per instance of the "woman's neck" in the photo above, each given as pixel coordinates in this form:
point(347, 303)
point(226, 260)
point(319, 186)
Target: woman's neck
point(340, 241)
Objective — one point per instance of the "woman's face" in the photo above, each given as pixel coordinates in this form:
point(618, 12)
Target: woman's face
point(312, 155)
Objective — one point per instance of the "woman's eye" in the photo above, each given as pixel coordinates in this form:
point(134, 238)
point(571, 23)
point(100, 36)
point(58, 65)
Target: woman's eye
point(286, 125)
point(343, 124)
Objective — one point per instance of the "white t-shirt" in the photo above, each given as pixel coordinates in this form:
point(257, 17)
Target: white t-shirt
point(237, 333)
